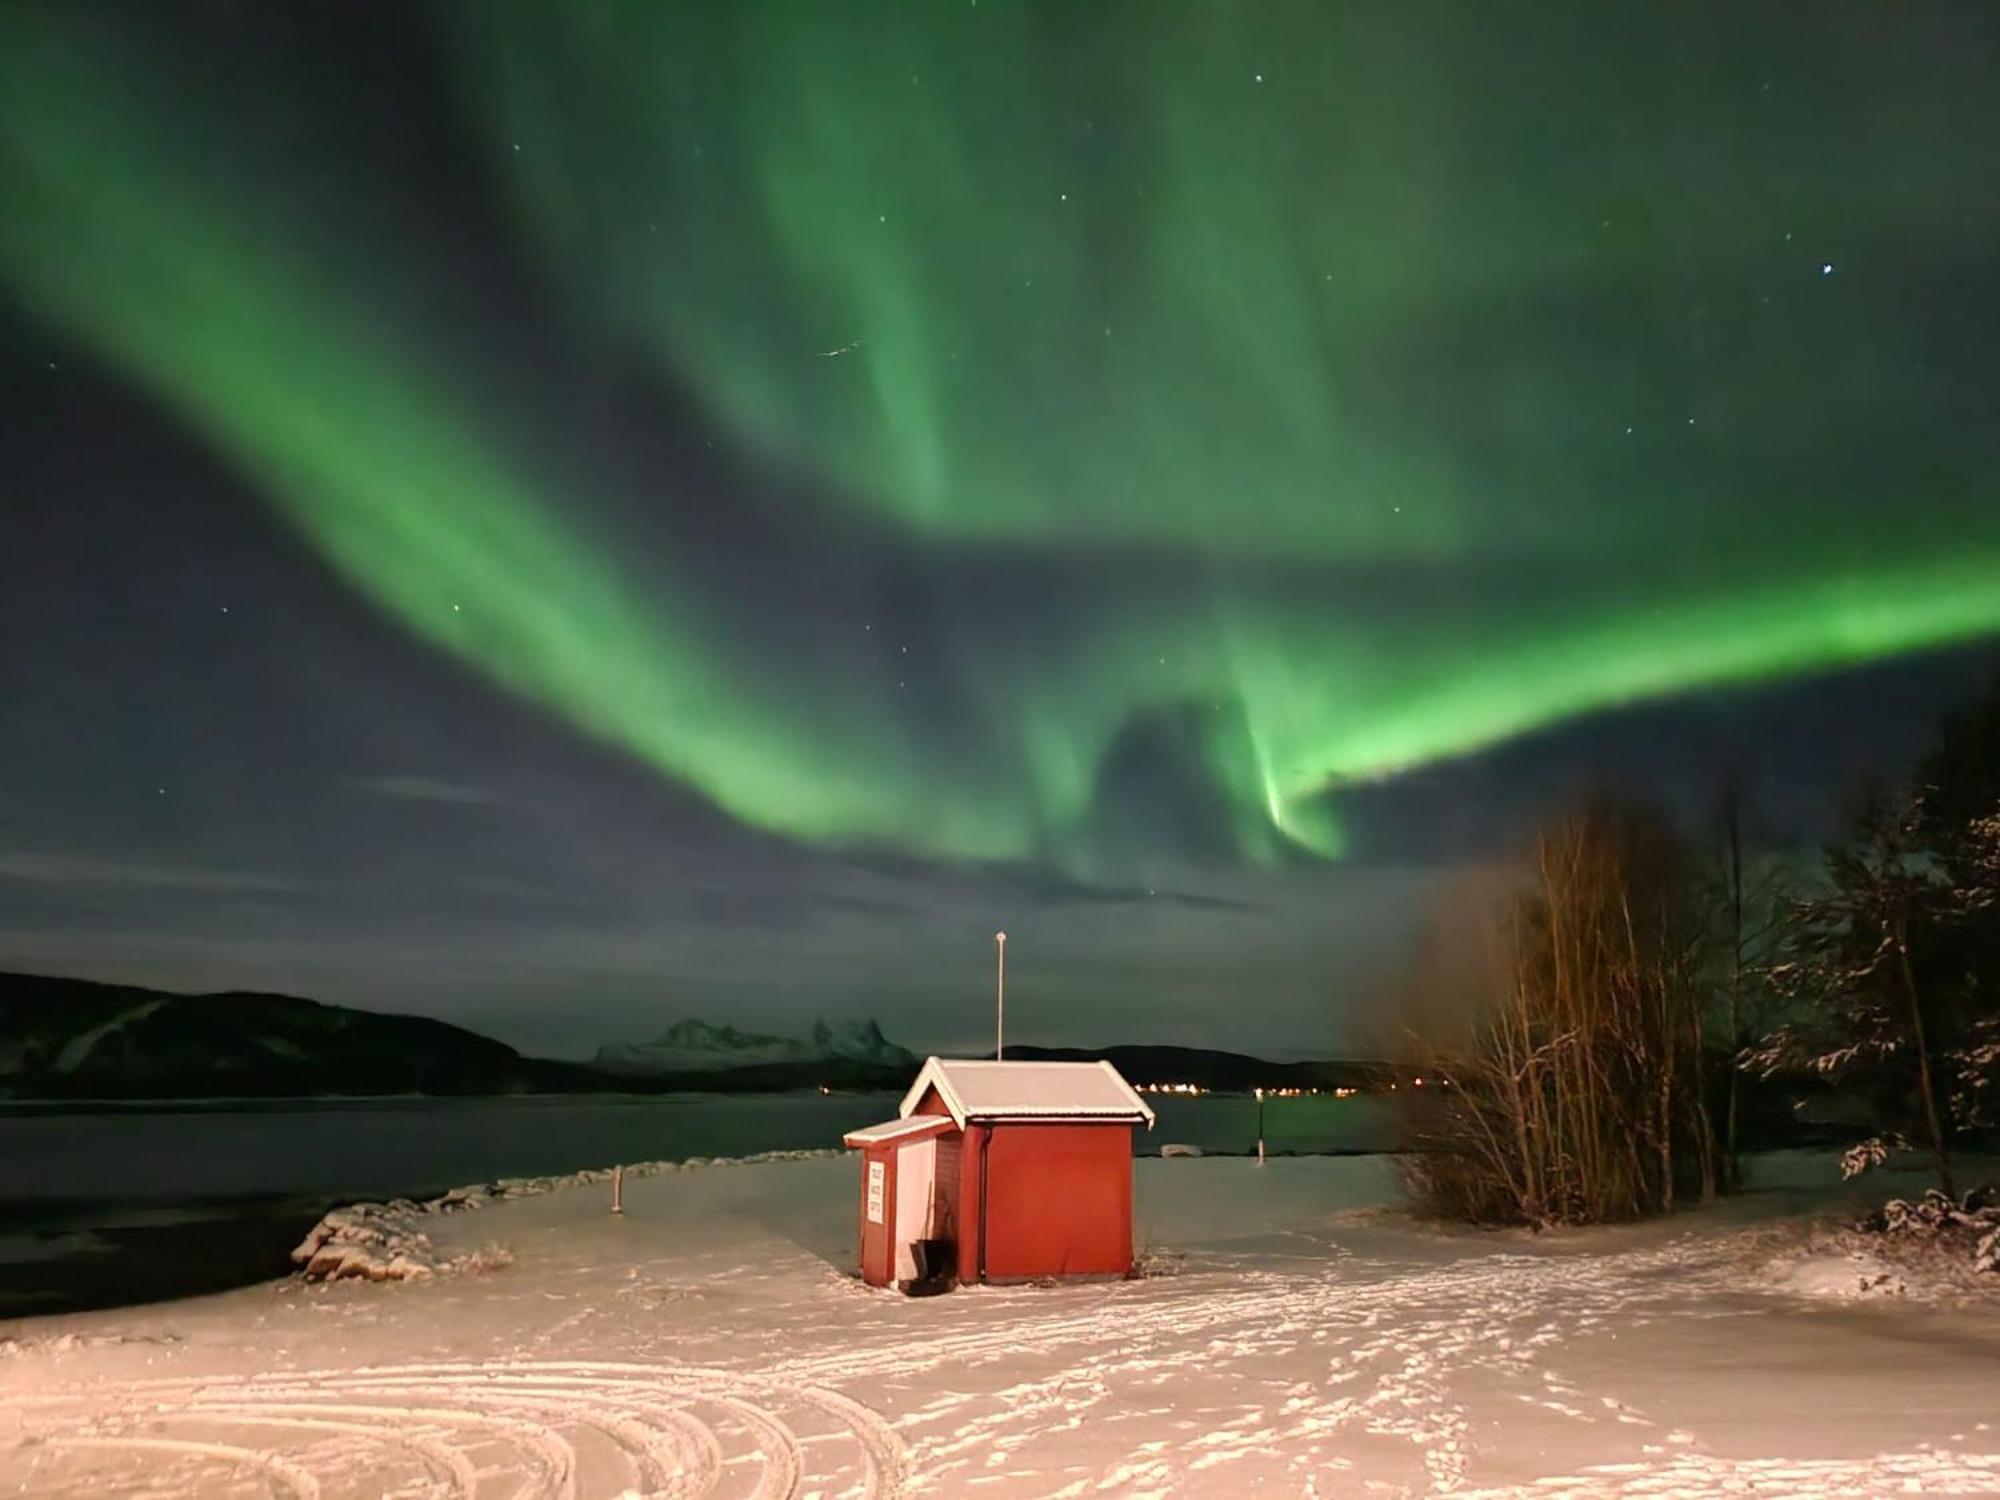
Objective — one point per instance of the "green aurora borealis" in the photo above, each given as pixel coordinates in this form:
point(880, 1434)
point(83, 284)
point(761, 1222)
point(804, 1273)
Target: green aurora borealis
point(1318, 392)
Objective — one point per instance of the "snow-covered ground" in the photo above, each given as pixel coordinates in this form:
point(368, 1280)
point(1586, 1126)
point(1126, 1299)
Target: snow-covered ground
point(1299, 1336)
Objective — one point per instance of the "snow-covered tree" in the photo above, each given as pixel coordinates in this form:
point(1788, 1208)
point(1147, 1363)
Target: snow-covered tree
point(1887, 1005)
point(1960, 777)
point(1974, 1062)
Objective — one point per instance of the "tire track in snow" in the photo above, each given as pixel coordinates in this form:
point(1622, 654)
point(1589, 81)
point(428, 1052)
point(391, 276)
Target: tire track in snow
point(447, 1463)
point(572, 1430)
point(299, 1481)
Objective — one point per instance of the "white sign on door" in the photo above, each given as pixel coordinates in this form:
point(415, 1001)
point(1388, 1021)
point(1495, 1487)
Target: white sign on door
point(878, 1181)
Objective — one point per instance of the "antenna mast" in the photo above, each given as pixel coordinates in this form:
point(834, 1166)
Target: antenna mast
point(1000, 997)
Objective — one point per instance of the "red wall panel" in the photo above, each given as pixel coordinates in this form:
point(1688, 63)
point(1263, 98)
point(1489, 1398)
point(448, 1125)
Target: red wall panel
point(1058, 1200)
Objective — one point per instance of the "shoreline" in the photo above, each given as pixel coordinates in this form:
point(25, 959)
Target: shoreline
point(203, 1247)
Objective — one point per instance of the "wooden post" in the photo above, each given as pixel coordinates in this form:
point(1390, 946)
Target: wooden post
point(618, 1190)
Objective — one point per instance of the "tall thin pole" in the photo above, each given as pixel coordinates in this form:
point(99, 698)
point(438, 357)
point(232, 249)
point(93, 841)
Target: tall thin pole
point(1000, 997)
point(1732, 1160)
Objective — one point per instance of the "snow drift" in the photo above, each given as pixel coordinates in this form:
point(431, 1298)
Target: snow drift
point(387, 1241)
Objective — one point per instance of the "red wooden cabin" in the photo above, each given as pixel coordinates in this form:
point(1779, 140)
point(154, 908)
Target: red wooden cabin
point(1013, 1171)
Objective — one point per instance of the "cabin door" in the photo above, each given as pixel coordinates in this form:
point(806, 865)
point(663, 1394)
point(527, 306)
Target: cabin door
point(916, 1196)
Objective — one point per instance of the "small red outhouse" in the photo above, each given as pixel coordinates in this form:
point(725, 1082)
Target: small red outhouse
point(1000, 1171)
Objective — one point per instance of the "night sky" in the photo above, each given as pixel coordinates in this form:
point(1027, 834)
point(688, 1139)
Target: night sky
point(567, 517)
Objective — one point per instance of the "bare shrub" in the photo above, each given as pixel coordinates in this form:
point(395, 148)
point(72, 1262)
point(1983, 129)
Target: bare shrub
point(1569, 1089)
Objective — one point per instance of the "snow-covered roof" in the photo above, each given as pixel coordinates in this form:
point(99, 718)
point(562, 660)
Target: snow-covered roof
point(976, 1090)
point(900, 1129)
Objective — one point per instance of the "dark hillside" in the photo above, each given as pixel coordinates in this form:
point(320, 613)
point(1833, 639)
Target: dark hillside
point(71, 1038)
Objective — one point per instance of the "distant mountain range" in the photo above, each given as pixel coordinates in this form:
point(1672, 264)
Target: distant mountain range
point(694, 1046)
point(76, 1039)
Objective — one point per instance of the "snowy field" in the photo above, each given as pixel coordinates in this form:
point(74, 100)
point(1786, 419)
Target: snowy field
point(1299, 1336)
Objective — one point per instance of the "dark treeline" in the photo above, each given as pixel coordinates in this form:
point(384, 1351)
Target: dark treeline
point(1612, 1029)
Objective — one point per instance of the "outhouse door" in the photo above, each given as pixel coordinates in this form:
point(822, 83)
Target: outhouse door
point(916, 1196)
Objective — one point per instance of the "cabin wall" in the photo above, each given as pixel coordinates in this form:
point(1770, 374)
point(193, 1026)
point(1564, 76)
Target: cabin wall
point(971, 1177)
point(878, 1215)
point(1057, 1200)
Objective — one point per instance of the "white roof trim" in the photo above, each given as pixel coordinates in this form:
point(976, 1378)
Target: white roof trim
point(1028, 1091)
point(896, 1130)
